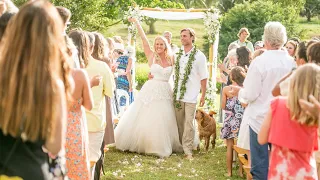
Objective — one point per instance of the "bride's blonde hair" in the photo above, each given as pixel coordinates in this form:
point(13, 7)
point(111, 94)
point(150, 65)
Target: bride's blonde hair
point(305, 82)
point(167, 51)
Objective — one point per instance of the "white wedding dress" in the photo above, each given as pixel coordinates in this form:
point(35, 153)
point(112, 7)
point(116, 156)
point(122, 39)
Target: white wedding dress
point(149, 124)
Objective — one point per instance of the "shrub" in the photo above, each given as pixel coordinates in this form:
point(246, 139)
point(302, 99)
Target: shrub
point(141, 57)
point(142, 71)
point(254, 16)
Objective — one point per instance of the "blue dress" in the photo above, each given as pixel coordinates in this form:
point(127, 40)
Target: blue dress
point(122, 81)
point(233, 117)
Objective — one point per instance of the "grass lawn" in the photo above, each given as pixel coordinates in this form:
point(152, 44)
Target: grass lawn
point(206, 165)
point(309, 29)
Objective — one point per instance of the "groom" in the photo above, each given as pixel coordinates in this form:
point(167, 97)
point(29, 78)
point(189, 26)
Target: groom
point(190, 77)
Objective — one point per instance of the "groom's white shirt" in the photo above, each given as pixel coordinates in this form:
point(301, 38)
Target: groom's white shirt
point(199, 72)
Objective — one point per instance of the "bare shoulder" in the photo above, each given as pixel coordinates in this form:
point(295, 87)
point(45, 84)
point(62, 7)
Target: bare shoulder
point(226, 89)
point(79, 73)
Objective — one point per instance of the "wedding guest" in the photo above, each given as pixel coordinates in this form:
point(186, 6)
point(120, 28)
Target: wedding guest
point(244, 57)
point(257, 53)
point(100, 52)
point(4, 20)
point(97, 117)
point(291, 47)
point(36, 94)
point(8, 6)
point(291, 131)
point(168, 36)
point(264, 72)
point(65, 14)
point(233, 114)
point(124, 73)
point(77, 134)
point(230, 61)
point(313, 54)
point(243, 36)
point(118, 39)
point(101, 49)
point(111, 48)
point(258, 45)
point(282, 87)
point(3, 7)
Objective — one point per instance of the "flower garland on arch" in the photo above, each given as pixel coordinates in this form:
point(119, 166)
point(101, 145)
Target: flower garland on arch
point(133, 12)
point(212, 23)
point(185, 79)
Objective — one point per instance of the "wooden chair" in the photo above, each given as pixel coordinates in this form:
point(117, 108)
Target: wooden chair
point(241, 152)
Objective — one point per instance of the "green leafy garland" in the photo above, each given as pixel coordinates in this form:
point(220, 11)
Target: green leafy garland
point(187, 72)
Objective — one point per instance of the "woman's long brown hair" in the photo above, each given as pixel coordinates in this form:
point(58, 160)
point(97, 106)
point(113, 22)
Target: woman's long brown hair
point(33, 60)
point(99, 47)
point(81, 41)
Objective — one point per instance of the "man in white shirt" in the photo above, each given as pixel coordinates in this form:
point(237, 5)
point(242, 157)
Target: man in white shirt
point(263, 74)
point(191, 75)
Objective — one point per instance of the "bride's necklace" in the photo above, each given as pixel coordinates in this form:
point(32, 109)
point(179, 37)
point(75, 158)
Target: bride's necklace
point(187, 72)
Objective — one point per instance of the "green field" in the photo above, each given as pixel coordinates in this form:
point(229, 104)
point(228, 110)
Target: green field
point(161, 26)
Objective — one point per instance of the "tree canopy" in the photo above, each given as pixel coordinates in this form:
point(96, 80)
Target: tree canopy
point(254, 16)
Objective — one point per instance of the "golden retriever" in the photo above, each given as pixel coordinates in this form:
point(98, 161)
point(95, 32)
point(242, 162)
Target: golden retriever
point(206, 127)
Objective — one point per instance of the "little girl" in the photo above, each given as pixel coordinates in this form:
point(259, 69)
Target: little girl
point(292, 132)
point(233, 113)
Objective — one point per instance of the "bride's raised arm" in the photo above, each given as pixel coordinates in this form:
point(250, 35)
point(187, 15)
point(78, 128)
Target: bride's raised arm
point(146, 46)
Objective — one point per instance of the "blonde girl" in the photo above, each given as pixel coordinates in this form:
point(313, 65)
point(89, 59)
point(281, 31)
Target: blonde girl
point(291, 131)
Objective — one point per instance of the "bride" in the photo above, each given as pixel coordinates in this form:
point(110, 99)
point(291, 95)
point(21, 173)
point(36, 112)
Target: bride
point(149, 125)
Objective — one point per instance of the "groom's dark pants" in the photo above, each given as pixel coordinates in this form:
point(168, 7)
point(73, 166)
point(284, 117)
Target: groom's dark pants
point(185, 117)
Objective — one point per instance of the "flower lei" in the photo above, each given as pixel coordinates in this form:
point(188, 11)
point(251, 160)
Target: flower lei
point(211, 23)
point(187, 72)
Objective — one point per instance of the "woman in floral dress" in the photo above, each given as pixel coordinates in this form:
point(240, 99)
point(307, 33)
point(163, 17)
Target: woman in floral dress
point(77, 133)
point(233, 114)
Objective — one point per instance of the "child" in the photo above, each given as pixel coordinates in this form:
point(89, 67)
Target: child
point(291, 131)
point(233, 113)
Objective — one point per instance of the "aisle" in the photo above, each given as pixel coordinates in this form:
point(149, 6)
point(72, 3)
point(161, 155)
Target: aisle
point(211, 165)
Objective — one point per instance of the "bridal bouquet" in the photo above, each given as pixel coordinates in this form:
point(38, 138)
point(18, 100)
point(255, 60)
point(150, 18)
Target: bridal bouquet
point(212, 23)
point(133, 12)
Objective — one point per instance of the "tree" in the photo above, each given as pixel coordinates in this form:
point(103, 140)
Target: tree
point(225, 5)
point(90, 15)
point(196, 3)
point(311, 8)
point(19, 3)
point(157, 3)
point(254, 16)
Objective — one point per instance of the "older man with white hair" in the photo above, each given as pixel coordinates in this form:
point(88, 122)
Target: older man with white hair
point(168, 36)
point(263, 74)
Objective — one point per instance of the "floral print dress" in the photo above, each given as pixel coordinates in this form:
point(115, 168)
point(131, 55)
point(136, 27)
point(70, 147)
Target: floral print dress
point(233, 117)
point(76, 143)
